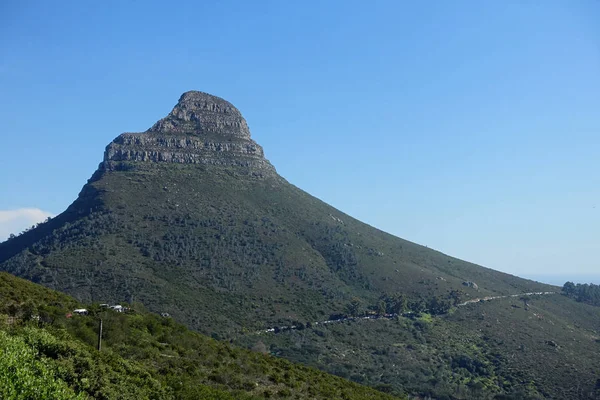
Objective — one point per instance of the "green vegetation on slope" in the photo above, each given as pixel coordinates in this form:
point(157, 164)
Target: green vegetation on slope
point(531, 348)
point(190, 219)
point(229, 255)
point(24, 375)
point(144, 356)
point(224, 252)
point(585, 293)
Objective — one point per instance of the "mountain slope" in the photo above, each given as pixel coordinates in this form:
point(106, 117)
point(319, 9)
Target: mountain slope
point(191, 210)
point(46, 355)
point(492, 350)
point(190, 218)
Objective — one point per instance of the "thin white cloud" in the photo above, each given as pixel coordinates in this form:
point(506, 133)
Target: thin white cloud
point(16, 221)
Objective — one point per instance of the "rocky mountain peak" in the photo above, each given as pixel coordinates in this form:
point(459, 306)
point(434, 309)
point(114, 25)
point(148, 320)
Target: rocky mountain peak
point(198, 113)
point(201, 129)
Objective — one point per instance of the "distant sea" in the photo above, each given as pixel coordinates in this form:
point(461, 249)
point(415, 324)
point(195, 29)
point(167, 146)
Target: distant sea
point(560, 280)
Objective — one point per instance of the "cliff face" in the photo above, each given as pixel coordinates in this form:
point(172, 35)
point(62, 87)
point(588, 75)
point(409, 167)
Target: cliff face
point(183, 149)
point(201, 129)
point(199, 113)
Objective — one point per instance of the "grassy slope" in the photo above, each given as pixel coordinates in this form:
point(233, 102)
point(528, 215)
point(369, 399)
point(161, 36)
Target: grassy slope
point(228, 255)
point(479, 351)
point(144, 357)
point(181, 239)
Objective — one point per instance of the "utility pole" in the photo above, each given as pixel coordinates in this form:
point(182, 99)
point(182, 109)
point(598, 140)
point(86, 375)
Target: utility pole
point(100, 335)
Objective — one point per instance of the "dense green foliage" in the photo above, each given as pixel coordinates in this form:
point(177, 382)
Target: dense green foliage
point(230, 255)
point(224, 253)
point(585, 293)
point(491, 350)
point(23, 375)
point(144, 356)
point(52, 356)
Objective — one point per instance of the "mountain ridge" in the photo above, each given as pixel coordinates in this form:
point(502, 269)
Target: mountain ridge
point(189, 218)
point(199, 146)
point(201, 129)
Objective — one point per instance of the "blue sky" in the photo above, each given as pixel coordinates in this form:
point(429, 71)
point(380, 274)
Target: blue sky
point(470, 127)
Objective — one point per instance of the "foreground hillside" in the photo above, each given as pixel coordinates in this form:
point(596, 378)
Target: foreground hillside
point(189, 218)
point(45, 355)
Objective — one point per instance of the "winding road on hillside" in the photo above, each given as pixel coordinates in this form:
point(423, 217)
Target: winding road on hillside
point(390, 316)
point(490, 298)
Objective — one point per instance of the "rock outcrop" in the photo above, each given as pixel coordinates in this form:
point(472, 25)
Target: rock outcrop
point(201, 129)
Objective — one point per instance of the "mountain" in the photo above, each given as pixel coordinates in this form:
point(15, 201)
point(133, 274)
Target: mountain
point(50, 353)
point(189, 218)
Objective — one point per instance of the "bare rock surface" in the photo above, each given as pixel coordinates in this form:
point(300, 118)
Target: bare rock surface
point(201, 129)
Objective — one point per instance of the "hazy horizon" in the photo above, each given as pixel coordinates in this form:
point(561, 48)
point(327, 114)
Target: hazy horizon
point(560, 279)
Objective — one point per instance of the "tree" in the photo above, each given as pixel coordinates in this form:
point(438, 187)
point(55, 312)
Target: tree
point(586, 293)
point(457, 296)
point(569, 288)
point(439, 305)
point(381, 307)
point(419, 305)
point(354, 307)
point(397, 303)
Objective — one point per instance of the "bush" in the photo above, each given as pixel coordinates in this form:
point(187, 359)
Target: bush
point(25, 375)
